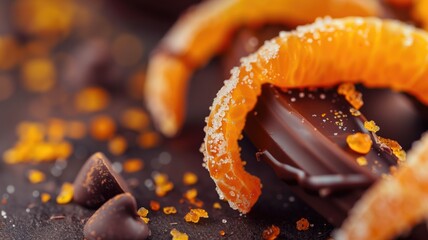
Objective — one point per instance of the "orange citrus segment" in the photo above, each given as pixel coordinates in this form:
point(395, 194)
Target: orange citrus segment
point(420, 12)
point(203, 32)
point(367, 50)
point(393, 204)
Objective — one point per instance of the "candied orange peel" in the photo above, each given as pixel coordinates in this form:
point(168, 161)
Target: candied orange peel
point(325, 53)
point(401, 196)
point(204, 30)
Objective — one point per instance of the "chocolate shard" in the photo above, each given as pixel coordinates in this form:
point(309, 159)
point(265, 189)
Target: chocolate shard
point(116, 219)
point(97, 182)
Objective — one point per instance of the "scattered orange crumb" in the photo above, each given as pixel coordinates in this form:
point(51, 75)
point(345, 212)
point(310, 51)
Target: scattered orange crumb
point(354, 97)
point(362, 161)
point(216, 205)
point(154, 205)
point(222, 233)
point(91, 99)
point(177, 235)
point(148, 139)
point(66, 194)
point(163, 185)
point(145, 219)
point(142, 212)
point(38, 75)
point(135, 119)
point(190, 178)
point(45, 197)
point(354, 112)
point(271, 233)
point(359, 142)
point(133, 165)
point(302, 224)
point(371, 126)
point(191, 194)
point(36, 176)
point(169, 210)
point(102, 127)
point(117, 145)
point(395, 147)
point(195, 214)
point(75, 130)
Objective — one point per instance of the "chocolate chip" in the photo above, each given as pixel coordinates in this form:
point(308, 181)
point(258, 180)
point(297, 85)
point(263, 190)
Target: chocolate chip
point(117, 219)
point(97, 182)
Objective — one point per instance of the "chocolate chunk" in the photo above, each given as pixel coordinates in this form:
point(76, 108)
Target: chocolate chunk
point(302, 134)
point(97, 182)
point(117, 219)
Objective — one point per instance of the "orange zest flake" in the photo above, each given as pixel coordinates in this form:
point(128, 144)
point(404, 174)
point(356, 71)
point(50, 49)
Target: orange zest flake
point(216, 205)
point(45, 197)
point(177, 235)
point(148, 139)
point(191, 194)
point(354, 97)
point(133, 165)
point(302, 224)
point(195, 214)
point(394, 146)
point(190, 178)
point(169, 210)
point(163, 185)
point(66, 194)
point(117, 145)
point(134, 119)
point(102, 127)
point(221, 232)
point(354, 112)
point(371, 126)
point(91, 99)
point(362, 161)
point(36, 176)
point(271, 233)
point(154, 205)
point(142, 212)
point(359, 142)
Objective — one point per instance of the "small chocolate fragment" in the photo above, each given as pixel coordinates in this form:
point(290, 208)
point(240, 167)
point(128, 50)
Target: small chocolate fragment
point(97, 182)
point(117, 219)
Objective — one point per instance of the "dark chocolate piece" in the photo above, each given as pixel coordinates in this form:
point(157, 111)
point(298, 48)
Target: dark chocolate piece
point(117, 219)
point(302, 134)
point(97, 182)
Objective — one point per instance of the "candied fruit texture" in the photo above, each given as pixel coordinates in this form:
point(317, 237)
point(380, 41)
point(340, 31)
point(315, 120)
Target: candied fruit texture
point(169, 210)
point(143, 212)
point(394, 146)
point(400, 196)
point(177, 235)
point(420, 12)
point(204, 31)
point(66, 194)
point(38, 142)
point(195, 214)
point(322, 54)
point(271, 233)
point(371, 126)
point(354, 97)
point(359, 142)
point(302, 224)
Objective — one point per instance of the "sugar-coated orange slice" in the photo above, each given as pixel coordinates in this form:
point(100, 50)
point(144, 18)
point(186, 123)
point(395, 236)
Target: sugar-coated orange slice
point(367, 50)
point(394, 204)
point(204, 30)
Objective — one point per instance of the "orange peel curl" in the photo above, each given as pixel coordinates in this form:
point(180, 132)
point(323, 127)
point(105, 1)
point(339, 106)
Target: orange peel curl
point(377, 53)
point(204, 31)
